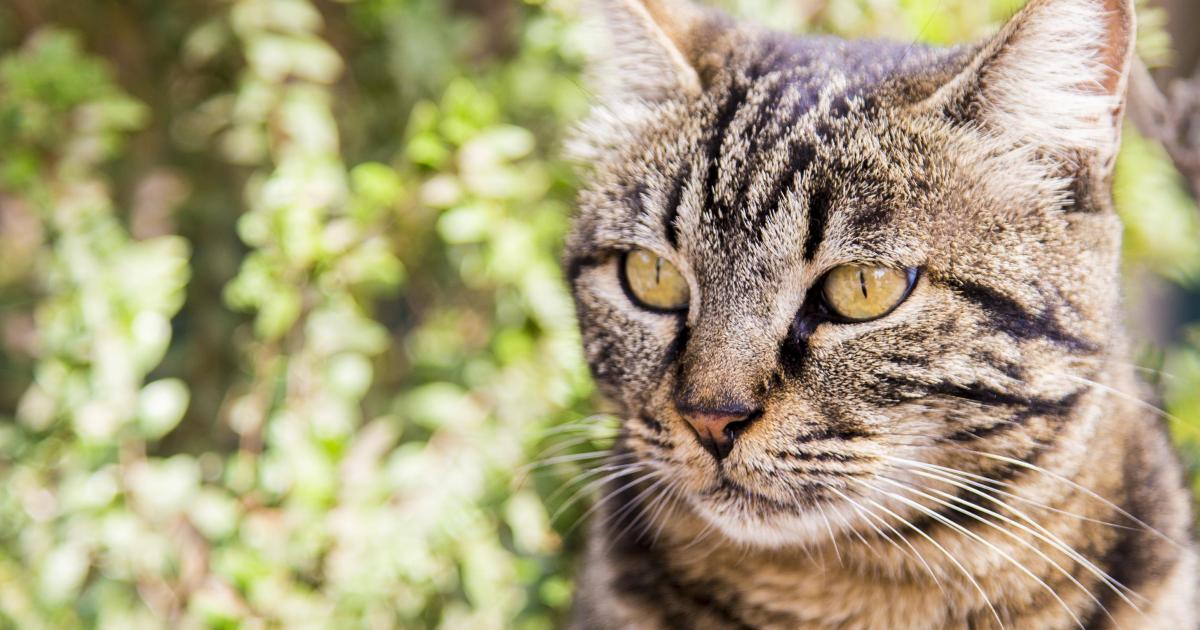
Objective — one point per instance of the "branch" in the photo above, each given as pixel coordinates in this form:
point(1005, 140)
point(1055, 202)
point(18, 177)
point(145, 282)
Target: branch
point(1173, 119)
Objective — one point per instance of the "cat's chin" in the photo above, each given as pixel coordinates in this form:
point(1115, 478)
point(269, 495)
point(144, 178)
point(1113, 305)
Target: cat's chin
point(776, 529)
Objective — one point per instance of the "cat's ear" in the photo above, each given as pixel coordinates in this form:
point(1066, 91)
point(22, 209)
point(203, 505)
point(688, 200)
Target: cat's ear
point(1054, 77)
point(647, 49)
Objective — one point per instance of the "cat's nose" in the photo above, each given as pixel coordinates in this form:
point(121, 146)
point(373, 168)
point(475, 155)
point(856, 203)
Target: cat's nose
point(717, 428)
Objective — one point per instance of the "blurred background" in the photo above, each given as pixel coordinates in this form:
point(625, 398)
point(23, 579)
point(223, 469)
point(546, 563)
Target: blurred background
point(283, 335)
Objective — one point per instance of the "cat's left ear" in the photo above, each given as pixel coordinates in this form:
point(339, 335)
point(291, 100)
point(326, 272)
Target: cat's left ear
point(647, 55)
point(1054, 77)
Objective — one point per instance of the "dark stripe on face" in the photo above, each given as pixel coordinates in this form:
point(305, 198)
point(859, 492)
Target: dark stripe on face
point(576, 265)
point(1084, 196)
point(651, 423)
point(819, 456)
point(675, 349)
point(800, 157)
point(906, 390)
point(841, 432)
point(1009, 317)
point(976, 393)
point(793, 350)
point(633, 196)
point(906, 360)
point(871, 218)
point(901, 390)
point(725, 116)
point(1004, 366)
point(653, 441)
point(1036, 407)
point(671, 209)
point(754, 132)
point(818, 211)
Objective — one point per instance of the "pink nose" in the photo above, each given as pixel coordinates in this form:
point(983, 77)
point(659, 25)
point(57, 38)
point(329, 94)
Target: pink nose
point(718, 428)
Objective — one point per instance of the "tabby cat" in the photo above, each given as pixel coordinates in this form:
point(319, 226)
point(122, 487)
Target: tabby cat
point(858, 305)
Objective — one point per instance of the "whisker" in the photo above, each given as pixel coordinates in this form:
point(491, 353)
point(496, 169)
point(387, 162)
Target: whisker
point(869, 515)
point(586, 424)
point(629, 510)
point(1056, 476)
point(976, 537)
point(832, 538)
point(559, 446)
point(656, 504)
point(592, 485)
point(1050, 538)
point(674, 491)
point(1128, 364)
point(949, 556)
point(981, 481)
point(592, 472)
point(853, 530)
point(1088, 491)
point(522, 474)
point(1056, 543)
point(563, 459)
point(704, 531)
point(1163, 413)
point(653, 474)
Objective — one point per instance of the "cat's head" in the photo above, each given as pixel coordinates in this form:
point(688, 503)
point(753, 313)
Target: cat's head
point(799, 262)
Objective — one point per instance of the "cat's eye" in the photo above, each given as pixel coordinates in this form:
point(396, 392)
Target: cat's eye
point(654, 282)
point(860, 293)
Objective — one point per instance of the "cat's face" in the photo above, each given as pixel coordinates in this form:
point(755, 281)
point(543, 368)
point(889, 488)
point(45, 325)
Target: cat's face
point(799, 263)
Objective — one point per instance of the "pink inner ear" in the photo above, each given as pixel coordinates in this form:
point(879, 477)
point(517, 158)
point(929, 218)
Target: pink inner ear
point(1119, 24)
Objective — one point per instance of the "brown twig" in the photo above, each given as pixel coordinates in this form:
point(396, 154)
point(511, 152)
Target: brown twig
point(1172, 119)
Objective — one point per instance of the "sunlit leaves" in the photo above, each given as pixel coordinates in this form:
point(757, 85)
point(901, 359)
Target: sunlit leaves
point(1162, 229)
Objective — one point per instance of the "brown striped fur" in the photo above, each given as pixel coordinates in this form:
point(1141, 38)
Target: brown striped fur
point(978, 458)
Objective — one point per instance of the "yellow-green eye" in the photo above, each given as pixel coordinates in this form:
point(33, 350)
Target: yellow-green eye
point(654, 282)
point(860, 293)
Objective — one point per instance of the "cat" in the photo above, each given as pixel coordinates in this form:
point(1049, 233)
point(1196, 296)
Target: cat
point(858, 305)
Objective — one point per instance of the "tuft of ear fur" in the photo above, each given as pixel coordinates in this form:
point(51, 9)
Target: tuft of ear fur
point(647, 57)
point(1054, 77)
point(646, 60)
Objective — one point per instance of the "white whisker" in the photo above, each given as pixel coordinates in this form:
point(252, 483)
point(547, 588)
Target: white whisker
point(1088, 491)
point(582, 476)
point(1042, 533)
point(630, 510)
point(603, 499)
point(832, 538)
point(869, 515)
point(949, 556)
point(976, 537)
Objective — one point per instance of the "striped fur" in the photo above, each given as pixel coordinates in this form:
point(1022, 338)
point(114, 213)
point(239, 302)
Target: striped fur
point(980, 457)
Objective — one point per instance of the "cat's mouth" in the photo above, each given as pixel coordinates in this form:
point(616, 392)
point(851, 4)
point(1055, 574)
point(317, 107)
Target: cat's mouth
point(807, 495)
point(755, 507)
point(753, 518)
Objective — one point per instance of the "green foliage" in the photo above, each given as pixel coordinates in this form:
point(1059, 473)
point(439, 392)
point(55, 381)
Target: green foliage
point(280, 336)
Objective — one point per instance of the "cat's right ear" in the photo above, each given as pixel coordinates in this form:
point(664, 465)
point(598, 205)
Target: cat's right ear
point(1053, 77)
point(646, 55)
point(647, 50)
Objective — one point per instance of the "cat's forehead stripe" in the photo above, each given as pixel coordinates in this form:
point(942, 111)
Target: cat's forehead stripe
point(671, 207)
point(761, 133)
